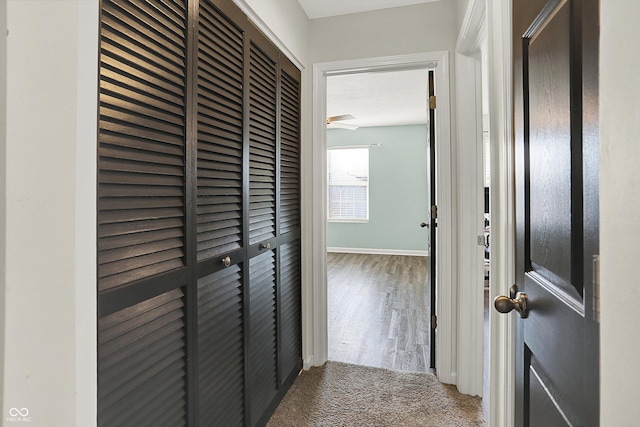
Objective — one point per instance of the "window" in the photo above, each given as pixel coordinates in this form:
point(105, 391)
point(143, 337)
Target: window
point(348, 183)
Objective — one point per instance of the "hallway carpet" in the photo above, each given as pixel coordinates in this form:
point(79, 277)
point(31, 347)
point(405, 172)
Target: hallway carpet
point(340, 394)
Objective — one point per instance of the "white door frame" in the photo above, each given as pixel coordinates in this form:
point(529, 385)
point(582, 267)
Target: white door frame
point(491, 20)
point(315, 307)
point(502, 345)
point(470, 192)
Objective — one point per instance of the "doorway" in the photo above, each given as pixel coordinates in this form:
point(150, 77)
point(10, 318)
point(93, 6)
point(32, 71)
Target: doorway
point(316, 313)
point(378, 195)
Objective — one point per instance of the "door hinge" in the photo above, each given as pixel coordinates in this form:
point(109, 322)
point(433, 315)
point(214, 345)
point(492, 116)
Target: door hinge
point(432, 102)
point(434, 321)
point(596, 288)
point(434, 212)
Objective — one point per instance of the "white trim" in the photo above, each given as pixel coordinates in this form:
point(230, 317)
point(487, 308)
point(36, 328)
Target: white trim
point(502, 345)
point(262, 26)
point(470, 199)
point(470, 225)
point(369, 251)
point(316, 310)
point(472, 31)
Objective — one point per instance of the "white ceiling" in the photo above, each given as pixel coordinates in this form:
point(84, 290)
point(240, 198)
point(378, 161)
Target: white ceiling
point(379, 99)
point(323, 8)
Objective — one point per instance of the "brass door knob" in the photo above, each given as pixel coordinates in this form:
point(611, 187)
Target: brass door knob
point(504, 304)
point(424, 224)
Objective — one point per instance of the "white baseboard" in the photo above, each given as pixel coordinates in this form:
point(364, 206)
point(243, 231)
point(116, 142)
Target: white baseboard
point(405, 252)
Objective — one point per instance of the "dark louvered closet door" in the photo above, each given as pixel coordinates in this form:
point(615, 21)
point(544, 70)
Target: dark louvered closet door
point(141, 215)
point(289, 279)
point(262, 141)
point(220, 201)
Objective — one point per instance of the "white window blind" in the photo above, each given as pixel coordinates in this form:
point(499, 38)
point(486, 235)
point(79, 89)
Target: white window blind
point(348, 183)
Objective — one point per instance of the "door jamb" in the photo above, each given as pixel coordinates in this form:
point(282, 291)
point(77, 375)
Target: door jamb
point(502, 345)
point(469, 155)
point(315, 308)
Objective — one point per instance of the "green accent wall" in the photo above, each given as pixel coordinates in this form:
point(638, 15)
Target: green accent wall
point(398, 190)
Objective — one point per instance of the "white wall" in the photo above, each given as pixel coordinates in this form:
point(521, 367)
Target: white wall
point(428, 27)
point(619, 212)
point(287, 20)
point(398, 191)
point(49, 216)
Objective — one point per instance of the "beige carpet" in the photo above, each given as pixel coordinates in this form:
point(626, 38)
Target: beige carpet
point(340, 394)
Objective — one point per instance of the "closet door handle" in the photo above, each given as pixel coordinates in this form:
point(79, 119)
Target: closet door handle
point(226, 261)
point(265, 246)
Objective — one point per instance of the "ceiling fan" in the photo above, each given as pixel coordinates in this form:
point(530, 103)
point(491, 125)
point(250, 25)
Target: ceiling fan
point(335, 122)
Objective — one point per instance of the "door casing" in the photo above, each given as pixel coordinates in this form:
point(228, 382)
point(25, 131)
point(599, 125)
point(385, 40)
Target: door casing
point(502, 345)
point(470, 192)
point(315, 340)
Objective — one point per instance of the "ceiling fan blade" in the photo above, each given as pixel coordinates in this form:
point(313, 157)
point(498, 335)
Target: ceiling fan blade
point(337, 125)
point(339, 118)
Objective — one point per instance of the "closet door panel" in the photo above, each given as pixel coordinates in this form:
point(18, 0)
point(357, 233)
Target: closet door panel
point(289, 279)
point(142, 352)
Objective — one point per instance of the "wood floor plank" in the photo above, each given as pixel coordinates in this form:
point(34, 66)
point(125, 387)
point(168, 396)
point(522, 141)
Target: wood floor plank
point(379, 310)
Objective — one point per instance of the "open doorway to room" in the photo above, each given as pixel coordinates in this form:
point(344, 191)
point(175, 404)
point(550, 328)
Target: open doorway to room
point(316, 313)
point(378, 293)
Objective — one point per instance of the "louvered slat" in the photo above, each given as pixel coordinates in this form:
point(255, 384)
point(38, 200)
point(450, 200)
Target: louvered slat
point(221, 348)
point(289, 154)
point(220, 112)
point(141, 162)
point(290, 301)
point(262, 335)
point(141, 364)
point(262, 146)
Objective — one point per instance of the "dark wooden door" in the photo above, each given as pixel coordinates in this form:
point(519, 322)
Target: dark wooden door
point(556, 137)
point(433, 219)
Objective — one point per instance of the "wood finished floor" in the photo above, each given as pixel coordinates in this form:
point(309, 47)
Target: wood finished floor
point(379, 311)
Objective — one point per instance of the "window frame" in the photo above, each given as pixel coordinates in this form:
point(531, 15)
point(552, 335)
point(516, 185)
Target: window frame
point(365, 148)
